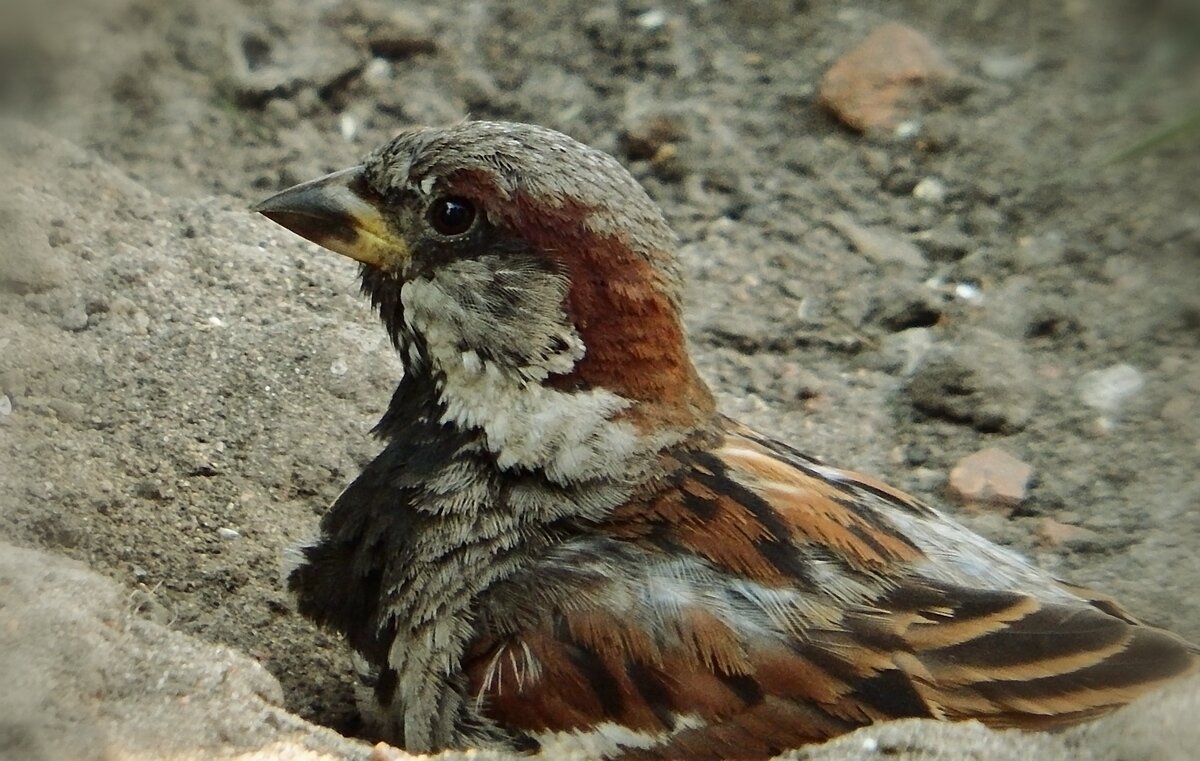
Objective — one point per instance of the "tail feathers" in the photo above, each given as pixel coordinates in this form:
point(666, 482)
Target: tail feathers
point(1057, 664)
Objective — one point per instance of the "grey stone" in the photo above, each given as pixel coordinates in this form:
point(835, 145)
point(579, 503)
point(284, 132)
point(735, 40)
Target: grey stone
point(28, 264)
point(1108, 389)
point(878, 244)
point(984, 380)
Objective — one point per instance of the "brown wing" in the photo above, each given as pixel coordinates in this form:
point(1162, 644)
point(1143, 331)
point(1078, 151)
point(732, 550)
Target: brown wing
point(761, 600)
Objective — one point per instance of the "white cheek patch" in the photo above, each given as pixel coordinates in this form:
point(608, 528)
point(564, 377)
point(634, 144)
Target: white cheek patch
point(569, 435)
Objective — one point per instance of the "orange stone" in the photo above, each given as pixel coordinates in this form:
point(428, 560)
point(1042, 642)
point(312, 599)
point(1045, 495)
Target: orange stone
point(1052, 533)
point(990, 477)
point(876, 85)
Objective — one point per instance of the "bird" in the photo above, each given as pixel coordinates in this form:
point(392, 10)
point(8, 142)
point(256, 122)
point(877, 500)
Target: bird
point(563, 545)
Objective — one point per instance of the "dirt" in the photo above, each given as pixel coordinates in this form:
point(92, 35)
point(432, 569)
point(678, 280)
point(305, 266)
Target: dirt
point(186, 387)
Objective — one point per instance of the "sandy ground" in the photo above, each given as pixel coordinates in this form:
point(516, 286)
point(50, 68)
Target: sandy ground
point(184, 387)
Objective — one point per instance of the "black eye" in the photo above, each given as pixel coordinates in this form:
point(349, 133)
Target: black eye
point(452, 216)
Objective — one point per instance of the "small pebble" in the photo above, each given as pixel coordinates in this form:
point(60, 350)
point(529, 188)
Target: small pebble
point(931, 190)
point(990, 476)
point(28, 260)
point(879, 83)
point(67, 411)
point(378, 73)
point(141, 321)
point(74, 317)
point(5, 405)
point(902, 352)
point(652, 19)
point(1052, 533)
point(878, 244)
point(400, 40)
point(908, 129)
point(1006, 67)
point(348, 126)
point(945, 243)
point(228, 533)
point(668, 164)
point(968, 292)
point(1107, 390)
point(646, 138)
point(1038, 252)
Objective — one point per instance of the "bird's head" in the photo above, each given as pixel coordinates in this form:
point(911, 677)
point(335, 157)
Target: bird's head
point(507, 258)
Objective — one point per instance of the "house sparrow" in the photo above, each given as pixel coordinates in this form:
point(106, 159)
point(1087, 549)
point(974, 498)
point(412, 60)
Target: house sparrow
point(564, 546)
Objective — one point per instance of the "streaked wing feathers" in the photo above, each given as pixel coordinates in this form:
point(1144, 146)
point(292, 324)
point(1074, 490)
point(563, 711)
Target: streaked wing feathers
point(824, 617)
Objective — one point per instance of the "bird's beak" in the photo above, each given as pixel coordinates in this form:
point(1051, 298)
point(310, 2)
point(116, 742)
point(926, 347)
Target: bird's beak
point(338, 212)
